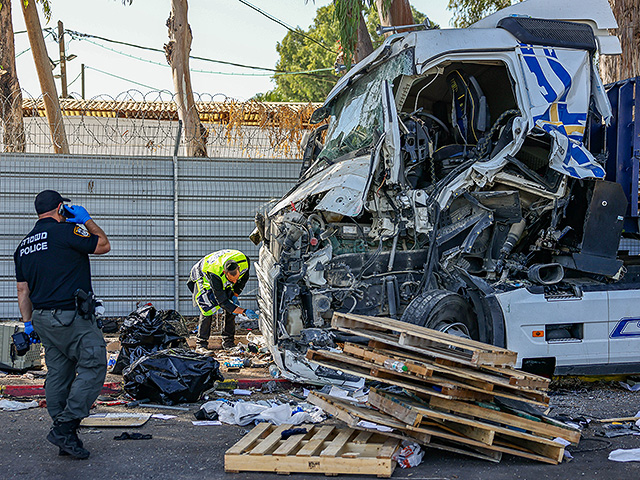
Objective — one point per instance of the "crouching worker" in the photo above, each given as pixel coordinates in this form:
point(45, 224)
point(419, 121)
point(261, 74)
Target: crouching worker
point(52, 264)
point(216, 282)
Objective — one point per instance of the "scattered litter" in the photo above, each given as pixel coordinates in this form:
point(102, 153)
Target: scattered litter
point(274, 371)
point(291, 432)
point(162, 416)
point(409, 455)
point(202, 414)
point(243, 413)
point(111, 363)
point(625, 455)
point(354, 395)
point(204, 423)
point(171, 376)
point(133, 436)
point(240, 391)
point(631, 385)
point(561, 441)
point(14, 406)
point(620, 429)
point(115, 420)
point(234, 363)
point(374, 426)
point(269, 387)
point(166, 407)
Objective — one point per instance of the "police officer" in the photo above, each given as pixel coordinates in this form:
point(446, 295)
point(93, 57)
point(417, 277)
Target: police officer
point(52, 263)
point(216, 282)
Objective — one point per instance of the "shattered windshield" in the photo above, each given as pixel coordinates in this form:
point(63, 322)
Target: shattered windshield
point(356, 116)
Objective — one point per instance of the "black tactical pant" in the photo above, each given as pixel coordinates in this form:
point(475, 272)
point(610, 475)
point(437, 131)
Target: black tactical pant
point(76, 357)
point(228, 330)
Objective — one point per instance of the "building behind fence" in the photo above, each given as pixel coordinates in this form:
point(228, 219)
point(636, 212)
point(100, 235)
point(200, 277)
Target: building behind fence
point(123, 173)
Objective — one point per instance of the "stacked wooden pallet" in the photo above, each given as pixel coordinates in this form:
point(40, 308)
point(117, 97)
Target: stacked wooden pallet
point(451, 393)
point(328, 449)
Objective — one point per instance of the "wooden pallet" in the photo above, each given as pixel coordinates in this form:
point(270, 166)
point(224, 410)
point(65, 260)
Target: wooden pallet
point(426, 383)
point(328, 449)
point(424, 340)
point(352, 415)
point(467, 431)
point(478, 380)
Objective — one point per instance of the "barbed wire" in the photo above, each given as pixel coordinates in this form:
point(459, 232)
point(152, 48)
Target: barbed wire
point(145, 124)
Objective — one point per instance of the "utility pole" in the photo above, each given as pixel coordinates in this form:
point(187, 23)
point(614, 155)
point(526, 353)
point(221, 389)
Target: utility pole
point(63, 60)
point(45, 75)
point(82, 79)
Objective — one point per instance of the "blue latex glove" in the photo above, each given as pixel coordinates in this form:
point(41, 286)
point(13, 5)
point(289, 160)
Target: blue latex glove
point(28, 328)
point(33, 336)
point(250, 314)
point(235, 300)
point(79, 214)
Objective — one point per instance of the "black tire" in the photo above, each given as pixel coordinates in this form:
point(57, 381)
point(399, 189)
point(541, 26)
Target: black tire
point(444, 311)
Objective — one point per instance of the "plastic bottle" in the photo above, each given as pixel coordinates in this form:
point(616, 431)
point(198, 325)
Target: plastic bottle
point(396, 365)
point(274, 371)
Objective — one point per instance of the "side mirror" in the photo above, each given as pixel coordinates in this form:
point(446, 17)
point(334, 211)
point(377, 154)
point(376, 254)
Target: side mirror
point(319, 114)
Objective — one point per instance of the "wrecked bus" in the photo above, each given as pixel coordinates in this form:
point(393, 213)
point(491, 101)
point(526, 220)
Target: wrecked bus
point(459, 184)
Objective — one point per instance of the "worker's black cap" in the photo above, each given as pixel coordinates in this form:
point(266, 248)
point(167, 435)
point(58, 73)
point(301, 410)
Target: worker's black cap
point(47, 200)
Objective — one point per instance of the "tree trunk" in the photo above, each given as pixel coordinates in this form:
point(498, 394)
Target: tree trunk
point(364, 46)
point(619, 67)
point(45, 76)
point(10, 94)
point(177, 52)
point(399, 14)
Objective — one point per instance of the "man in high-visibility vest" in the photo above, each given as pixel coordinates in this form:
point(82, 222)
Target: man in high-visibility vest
point(216, 282)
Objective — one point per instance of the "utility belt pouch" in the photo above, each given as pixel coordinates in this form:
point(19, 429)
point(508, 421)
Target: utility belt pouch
point(85, 303)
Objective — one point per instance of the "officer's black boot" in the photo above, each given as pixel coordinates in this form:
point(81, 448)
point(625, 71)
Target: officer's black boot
point(63, 435)
point(61, 452)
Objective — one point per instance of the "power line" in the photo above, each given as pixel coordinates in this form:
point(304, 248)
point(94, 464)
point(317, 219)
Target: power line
point(291, 29)
point(80, 35)
point(161, 64)
point(120, 78)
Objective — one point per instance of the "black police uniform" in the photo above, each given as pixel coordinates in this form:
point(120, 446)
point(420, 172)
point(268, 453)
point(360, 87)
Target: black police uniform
point(53, 260)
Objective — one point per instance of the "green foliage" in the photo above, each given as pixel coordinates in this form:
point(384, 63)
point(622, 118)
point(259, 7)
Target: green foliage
point(299, 54)
point(466, 12)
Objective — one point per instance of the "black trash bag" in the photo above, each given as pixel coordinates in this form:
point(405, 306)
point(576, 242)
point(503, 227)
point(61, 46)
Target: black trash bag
point(150, 330)
point(171, 376)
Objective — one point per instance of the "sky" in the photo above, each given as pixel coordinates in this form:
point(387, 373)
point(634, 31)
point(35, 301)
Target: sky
point(224, 30)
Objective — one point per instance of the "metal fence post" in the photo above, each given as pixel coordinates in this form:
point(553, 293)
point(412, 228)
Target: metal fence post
point(176, 273)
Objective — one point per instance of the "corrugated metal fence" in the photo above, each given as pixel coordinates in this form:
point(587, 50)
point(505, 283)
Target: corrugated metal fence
point(132, 199)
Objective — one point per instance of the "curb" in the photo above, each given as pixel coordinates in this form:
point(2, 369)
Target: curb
point(113, 387)
point(38, 390)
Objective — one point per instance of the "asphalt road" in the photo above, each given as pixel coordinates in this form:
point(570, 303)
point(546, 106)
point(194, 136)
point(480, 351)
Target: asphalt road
point(179, 450)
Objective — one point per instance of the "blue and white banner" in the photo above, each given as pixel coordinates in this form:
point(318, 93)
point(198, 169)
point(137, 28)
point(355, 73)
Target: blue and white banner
point(559, 85)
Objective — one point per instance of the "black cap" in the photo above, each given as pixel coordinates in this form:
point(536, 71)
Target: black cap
point(48, 200)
